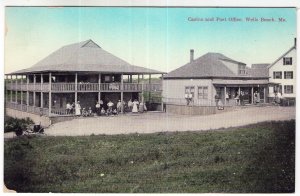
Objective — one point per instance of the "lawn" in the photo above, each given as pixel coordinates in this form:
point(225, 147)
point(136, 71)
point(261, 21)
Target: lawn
point(256, 158)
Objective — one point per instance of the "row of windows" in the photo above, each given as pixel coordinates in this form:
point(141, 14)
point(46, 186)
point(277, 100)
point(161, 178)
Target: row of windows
point(288, 89)
point(287, 75)
point(202, 91)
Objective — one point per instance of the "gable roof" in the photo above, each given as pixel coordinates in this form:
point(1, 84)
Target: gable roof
point(208, 65)
point(294, 47)
point(85, 56)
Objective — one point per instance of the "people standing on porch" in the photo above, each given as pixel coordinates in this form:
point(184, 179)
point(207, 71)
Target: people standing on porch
point(68, 108)
point(98, 108)
point(227, 97)
point(242, 96)
point(77, 109)
point(119, 106)
point(73, 108)
point(256, 98)
point(135, 106)
point(237, 98)
point(130, 105)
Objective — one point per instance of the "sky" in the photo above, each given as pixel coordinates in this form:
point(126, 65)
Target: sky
point(156, 38)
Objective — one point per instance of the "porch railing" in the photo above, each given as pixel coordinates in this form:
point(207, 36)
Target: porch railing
point(63, 87)
point(85, 87)
point(27, 108)
point(193, 102)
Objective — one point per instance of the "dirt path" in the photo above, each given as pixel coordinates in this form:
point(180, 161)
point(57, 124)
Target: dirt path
point(157, 122)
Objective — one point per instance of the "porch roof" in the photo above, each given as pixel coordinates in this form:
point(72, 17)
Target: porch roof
point(85, 56)
point(240, 82)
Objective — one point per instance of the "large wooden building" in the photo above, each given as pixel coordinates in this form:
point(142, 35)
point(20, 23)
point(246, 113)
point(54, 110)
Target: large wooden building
point(212, 76)
point(283, 71)
point(78, 72)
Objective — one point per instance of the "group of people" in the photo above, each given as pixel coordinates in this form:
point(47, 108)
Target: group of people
point(102, 110)
point(239, 98)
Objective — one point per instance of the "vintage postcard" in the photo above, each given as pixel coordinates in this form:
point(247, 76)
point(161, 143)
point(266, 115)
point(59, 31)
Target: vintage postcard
point(103, 99)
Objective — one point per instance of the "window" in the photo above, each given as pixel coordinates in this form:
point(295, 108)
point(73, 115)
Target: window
point(288, 75)
point(202, 92)
point(190, 90)
point(278, 89)
point(288, 89)
point(277, 75)
point(242, 69)
point(287, 61)
point(106, 78)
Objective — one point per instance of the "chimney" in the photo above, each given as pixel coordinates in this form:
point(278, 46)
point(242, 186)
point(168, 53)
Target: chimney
point(191, 55)
point(295, 42)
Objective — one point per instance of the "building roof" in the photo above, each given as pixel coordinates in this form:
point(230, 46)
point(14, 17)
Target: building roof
point(292, 48)
point(86, 56)
point(260, 66)
point(258, 70)
point(208, 65)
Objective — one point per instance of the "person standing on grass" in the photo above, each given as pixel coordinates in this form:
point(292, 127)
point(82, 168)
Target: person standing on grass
point(77, 109)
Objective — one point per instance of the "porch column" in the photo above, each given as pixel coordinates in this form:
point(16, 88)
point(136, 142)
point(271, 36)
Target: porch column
point(16, 95)
point(130, 78)
point(21, 91)
point(27, 92)
point(264, 94)
point(239, 95)
point(99, 92)
point(42, 98)
point(34, 83)
point(252, 93)
point(11, 87)
point(50, 93)
point(149, 93)
point(122, 94)
point(225, 96)
point(138, 78)
point(76, 77)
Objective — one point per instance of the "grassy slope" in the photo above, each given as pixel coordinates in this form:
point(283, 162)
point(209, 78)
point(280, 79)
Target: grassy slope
point(257, 158)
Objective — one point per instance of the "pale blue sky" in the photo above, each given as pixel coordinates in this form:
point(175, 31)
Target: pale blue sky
point(158, 38)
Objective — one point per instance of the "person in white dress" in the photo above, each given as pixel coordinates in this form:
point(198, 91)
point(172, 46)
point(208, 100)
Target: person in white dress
point(135, 106)
point(77, 109)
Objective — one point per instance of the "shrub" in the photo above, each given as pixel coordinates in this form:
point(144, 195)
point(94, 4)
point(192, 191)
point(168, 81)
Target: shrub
point(16, 125)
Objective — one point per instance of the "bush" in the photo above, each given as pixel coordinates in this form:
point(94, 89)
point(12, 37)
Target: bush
point(16, 125)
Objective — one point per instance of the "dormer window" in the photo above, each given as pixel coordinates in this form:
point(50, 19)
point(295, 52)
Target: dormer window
point(287, 61)
point(242, 69)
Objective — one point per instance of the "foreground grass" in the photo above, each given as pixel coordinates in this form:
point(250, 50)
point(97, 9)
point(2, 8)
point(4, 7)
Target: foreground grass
point(258, 158)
